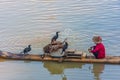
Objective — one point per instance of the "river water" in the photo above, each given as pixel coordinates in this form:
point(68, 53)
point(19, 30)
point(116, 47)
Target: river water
point(24, 22)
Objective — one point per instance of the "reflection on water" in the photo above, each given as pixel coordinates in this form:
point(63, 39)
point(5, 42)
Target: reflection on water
point(27, 70)
point(1, 60)
point(98, 70)
point(58, 68)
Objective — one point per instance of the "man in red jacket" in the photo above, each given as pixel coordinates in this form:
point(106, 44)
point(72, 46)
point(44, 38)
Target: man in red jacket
point(98, 50)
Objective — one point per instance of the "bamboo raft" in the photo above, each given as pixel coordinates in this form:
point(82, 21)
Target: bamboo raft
point(35, 57)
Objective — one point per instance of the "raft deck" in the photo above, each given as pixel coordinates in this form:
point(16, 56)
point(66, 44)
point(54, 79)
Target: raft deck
point(34, 57)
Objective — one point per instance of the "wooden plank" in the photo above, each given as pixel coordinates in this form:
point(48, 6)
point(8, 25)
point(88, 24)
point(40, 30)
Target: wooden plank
point(33, 57)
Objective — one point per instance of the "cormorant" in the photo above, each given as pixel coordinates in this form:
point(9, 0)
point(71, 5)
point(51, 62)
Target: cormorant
point(55, 37)
point(27, 49)
point(65, 46)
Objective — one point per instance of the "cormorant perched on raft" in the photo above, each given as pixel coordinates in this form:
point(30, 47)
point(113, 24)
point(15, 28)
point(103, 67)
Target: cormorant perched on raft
point(55, 37)
point(65, 46)
point(27, 49)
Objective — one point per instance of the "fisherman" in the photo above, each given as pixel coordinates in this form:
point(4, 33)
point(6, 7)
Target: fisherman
point(99, 49)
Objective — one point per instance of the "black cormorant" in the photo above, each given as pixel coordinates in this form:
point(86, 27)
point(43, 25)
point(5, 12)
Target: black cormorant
point(65, 46)
point(55, 37)
point(27, 49)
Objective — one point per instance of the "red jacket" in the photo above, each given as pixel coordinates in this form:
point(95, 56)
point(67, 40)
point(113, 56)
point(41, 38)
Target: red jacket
point(100, 49)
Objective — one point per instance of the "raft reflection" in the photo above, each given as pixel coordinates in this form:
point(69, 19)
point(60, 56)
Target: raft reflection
point(2, 60)
point(58, 68)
